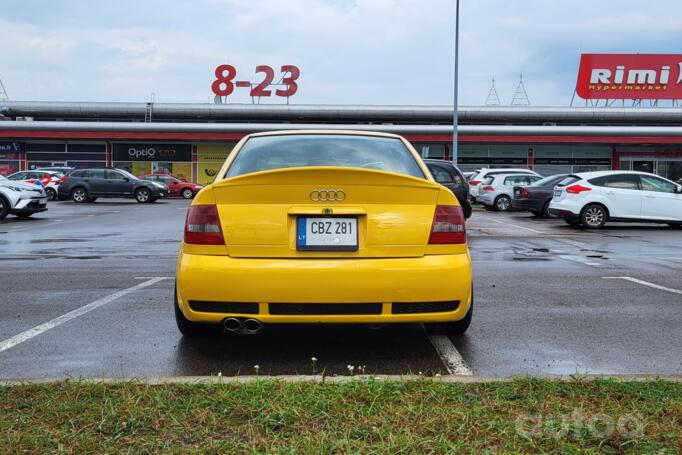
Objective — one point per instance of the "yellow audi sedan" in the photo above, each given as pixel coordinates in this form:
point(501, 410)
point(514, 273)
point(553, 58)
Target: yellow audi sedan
point(323, 227)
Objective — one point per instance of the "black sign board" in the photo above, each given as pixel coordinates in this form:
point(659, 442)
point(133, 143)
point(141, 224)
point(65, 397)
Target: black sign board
point(11, 147)
point(152, 152)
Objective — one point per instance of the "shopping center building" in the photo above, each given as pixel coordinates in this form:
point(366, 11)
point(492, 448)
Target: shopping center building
point(192, 140)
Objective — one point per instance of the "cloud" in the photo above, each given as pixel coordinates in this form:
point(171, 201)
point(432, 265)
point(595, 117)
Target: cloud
point(349, 52)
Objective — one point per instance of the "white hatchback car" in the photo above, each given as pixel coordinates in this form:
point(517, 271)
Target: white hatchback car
point(497, 190)
point(482, 174)
point(628, 196)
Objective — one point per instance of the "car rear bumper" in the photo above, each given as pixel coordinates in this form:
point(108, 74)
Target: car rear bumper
point(486, 198)
point(325, 290)
point(527, 204)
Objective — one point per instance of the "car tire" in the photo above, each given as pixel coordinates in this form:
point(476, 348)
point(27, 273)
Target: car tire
point(572, 222)
point(536, 214)
point(672, 225)
point(187, 193)
point(4, 208)
point(51, 194)
point(453, 328)
point(192, 329)
point(466, 209)
point(545, 210)
point(502, 203)
point(79, 195)
point(92, 199)
point(594, 216)
point(143, 195)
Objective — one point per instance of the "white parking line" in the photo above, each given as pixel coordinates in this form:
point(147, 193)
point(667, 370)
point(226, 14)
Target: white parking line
point(44, 327)
point(644, 283)
point(580, 260)
point(449, 355)
point(516, 226)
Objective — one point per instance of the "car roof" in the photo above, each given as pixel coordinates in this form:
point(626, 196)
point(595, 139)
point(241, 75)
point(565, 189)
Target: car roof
point(326, 133)
point(590, 175)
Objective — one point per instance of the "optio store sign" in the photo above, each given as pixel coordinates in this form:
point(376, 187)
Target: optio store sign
point(152, 152)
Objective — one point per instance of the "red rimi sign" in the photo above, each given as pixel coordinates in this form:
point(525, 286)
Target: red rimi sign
point(630, 76)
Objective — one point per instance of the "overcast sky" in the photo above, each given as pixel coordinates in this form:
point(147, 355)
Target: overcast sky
point(349, 51)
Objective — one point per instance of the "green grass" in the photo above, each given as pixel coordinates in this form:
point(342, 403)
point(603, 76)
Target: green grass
point(361, 416)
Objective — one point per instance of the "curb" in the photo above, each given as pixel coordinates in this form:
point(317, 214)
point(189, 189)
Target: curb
point(457, 379)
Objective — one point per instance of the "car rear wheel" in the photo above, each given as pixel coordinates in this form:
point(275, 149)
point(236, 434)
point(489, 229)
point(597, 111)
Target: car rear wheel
point(4, 208)
point(453, 328)
point(466, 209)
point(536, 213)
point(143, 195)
point(502, 203)
point(51, 194)
point(593, 216)
point(79, 195)
point(187, 193)
point(545, 209)
point(189, 328)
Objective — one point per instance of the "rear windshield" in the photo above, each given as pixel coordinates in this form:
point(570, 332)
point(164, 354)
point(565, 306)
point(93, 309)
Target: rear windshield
point(279, 152)
point(549, 180)
point(568, 180)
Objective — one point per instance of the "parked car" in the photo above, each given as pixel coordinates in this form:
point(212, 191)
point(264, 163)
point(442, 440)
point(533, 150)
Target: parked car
point(468, 175)
point(302, 239)
point(21, 199)
point(497, 190)
point(63, 169)
point(535, 198)
point(594, 198)
point(448, 175)
point(50, 180)
point(176, 186)
point(86, 185)
point(482, 174)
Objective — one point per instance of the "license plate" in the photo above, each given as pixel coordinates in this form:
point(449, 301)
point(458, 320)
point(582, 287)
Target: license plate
point(42, 200)
point(326, 234)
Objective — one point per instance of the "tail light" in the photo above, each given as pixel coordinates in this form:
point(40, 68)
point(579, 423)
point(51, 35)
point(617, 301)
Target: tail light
point(577, 189)
point(524, 193)
point(202, 226)
point(488, 188)
point(448, 226)
point(63, 179)
point(474, 182)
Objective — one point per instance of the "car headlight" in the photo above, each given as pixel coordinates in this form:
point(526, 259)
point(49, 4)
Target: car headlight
point(17, 188)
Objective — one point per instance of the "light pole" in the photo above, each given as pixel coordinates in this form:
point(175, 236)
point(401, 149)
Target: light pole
point(454, 107)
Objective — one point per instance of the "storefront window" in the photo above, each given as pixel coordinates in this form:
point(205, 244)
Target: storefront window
point(210, 158)
point(10, 154)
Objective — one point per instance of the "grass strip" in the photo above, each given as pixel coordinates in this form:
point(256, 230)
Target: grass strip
point(362, 416)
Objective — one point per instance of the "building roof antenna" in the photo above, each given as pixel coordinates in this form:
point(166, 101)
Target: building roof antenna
point(493, 99)
point(3, 93)
point(520, 97)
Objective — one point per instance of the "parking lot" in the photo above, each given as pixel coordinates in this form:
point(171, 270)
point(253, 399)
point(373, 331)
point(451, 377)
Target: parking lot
point(86, 290)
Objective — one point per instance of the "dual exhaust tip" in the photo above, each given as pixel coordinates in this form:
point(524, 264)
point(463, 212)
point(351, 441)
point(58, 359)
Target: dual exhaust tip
point(248, 326)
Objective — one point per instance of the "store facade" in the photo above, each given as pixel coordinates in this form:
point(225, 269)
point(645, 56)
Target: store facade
point(147, 157)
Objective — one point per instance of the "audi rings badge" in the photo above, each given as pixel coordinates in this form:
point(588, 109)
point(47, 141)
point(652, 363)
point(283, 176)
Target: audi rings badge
point(327, 195)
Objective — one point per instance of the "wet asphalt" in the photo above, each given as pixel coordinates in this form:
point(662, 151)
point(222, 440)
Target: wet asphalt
point(550, 299)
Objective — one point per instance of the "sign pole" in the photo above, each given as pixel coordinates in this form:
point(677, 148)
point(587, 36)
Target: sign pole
point(455, 107)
